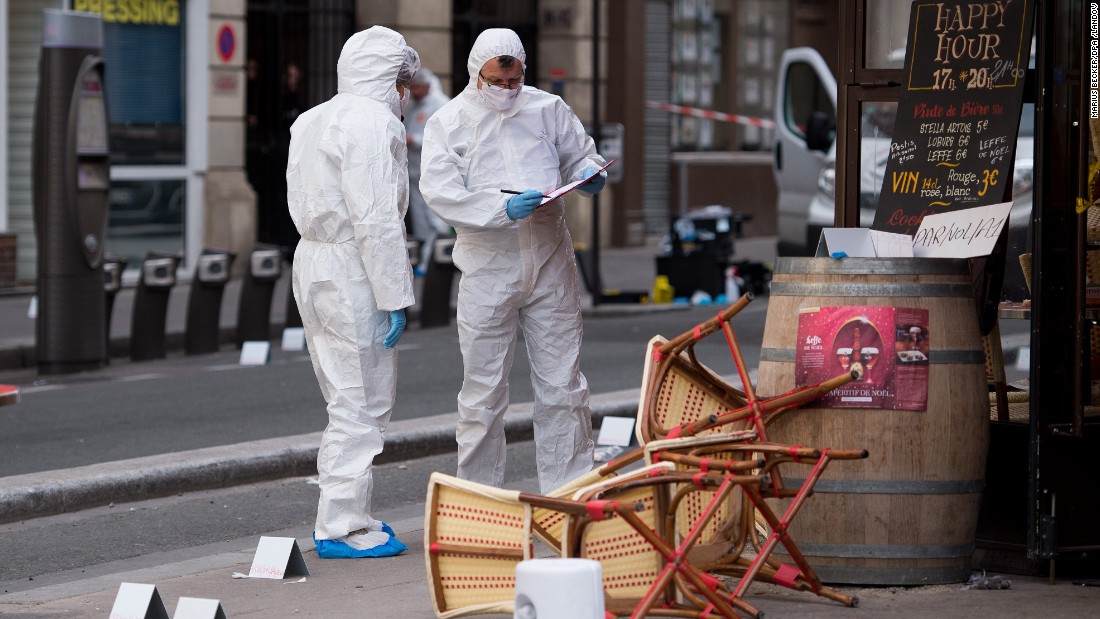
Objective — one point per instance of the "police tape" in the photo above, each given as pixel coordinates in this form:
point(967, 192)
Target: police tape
point(712, 115)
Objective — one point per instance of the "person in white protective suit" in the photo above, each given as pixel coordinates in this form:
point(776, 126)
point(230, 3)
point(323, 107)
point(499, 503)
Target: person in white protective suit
point(347, 188)
point(516, 257)
point(427, 98)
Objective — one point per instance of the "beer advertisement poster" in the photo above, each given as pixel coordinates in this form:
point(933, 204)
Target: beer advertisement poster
point(888, 346)
point(958, 115)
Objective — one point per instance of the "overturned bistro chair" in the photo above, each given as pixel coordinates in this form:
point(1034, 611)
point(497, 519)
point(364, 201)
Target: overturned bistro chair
point(682, 397)
point(691, 416)
point(475, 535)
point(744, 530)
point(644, 571)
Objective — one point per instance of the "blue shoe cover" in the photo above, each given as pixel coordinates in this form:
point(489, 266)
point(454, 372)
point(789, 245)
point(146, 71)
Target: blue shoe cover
point(336, 549)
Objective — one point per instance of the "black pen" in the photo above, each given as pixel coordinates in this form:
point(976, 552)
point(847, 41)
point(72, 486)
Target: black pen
point(514, 192)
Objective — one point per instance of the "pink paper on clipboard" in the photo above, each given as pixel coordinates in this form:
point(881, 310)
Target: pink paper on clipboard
point(564, 189)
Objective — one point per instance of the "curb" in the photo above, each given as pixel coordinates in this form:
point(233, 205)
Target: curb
point(48, 493)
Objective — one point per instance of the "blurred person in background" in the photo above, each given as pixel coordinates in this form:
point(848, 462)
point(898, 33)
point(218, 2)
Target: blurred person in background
point(427, 97)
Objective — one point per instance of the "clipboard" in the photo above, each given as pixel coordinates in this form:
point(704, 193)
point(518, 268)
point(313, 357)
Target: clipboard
point(564, 189)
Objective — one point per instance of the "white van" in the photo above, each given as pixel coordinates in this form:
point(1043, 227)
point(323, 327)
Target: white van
point(804, 164)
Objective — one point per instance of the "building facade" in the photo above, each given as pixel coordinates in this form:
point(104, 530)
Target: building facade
point(201, 94)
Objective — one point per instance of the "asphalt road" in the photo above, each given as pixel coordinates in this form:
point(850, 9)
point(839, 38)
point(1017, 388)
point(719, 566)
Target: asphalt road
point(80, 545)
point(132, 410)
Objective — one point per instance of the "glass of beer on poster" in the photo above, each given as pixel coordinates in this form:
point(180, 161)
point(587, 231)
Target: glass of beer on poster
point(844, 357)
point(868, 355)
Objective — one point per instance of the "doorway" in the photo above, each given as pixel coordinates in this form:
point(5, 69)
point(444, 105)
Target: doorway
point(293, 46)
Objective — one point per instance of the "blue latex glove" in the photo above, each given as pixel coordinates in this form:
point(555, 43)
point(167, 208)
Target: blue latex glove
point(524, 204)
point(397, 327)
point(593, 186)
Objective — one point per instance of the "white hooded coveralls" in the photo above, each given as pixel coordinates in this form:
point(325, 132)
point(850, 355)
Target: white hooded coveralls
point(347, 188)
point(513, 272)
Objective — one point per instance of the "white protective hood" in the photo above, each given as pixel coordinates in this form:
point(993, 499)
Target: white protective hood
point(490, 44)
point(369, 64)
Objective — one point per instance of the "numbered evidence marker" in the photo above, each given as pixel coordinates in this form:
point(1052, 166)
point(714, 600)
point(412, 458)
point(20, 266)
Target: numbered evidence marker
point(1023, 358)
point(198, 608)
point(278, 557)
point(255, 353)
point(616, 431)
point(294, 338)
point(138, 601)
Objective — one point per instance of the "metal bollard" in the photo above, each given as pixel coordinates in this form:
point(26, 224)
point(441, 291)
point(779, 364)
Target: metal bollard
point(435, 297)
point(204, 303)
point(265, 266)
point(147, 329)
point(113, 267)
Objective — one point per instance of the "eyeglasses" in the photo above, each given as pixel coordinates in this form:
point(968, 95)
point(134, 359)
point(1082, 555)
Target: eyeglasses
point(509, 84)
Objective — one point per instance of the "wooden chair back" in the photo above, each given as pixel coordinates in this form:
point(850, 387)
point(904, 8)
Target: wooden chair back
point(474, 536)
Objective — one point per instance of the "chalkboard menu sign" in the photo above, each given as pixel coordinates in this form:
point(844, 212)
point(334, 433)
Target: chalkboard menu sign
point(954, 138)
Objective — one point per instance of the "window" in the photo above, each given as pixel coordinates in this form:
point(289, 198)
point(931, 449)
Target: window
point(804, 96)
point(143, 46)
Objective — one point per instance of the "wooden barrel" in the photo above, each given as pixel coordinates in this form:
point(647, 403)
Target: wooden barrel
point(907, 515)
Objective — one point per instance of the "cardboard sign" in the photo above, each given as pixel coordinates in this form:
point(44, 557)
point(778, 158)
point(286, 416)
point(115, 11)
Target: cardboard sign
point(277, 557)
point(954, 138)
point(255, 353)
point(138, 601)
point(961, 234)
point(198, 608)
point(888, 346)
point(864, 243)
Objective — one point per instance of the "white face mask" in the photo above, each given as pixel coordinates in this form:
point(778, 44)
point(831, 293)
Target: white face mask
point(499, 98)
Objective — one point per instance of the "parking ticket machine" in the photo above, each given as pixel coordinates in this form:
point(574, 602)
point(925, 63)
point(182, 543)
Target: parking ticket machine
point(71, 177)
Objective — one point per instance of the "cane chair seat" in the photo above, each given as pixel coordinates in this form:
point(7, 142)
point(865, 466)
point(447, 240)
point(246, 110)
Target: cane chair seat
point(474, 536)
